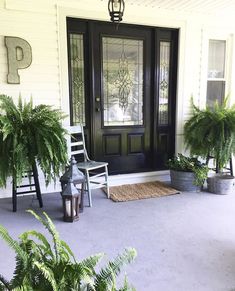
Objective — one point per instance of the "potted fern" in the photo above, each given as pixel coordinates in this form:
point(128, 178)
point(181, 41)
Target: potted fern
point(28, 135)
point(43, 264)
point(211, 132)
point(187, 173)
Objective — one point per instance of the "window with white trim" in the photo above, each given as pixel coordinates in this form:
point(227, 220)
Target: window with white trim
point(216, 71)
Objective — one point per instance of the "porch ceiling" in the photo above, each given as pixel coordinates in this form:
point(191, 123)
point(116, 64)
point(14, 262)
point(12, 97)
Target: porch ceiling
point(188, 6)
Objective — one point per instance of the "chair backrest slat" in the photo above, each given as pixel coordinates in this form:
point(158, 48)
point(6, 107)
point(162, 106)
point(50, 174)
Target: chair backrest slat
point(74, 129)
point(77, 152)
point(76, 142)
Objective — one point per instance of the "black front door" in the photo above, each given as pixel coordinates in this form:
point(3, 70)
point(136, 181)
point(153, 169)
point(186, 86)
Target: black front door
point(122, 93)
point(122, 97)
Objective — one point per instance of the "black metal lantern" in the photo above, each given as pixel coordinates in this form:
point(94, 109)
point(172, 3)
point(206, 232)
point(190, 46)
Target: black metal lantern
point(71, 201)
point(116, 10)
point(72, 197)
point(72, 173)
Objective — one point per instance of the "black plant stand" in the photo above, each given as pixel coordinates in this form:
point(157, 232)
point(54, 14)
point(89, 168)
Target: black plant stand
point(228, 169)
point(33, 183)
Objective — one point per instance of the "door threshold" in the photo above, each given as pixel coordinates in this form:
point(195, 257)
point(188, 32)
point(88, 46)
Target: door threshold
point(133, 178)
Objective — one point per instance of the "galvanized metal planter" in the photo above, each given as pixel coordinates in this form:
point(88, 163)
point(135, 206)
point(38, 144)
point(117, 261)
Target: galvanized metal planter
point(221, 184)
point(183, 181)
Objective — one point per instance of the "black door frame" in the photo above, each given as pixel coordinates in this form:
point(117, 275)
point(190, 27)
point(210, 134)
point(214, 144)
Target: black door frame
point(162, 137)
point(161, 146)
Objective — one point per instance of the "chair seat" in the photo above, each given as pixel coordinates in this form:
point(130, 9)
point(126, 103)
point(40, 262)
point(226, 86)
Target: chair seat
point(91, 165)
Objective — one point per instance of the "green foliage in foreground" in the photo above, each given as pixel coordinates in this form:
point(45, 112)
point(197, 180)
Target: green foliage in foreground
point(189, 164)
point(212, 132)
point(45, 266)
point(30, 134)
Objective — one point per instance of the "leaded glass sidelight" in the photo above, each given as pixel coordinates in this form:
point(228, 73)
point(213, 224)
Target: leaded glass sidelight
point(122, 81)
point(165, 47)
point(77, 78)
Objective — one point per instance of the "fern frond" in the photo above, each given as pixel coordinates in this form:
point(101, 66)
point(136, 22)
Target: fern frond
point(48, 274)
point(52, 230)
point(126, 286)
point(14, 245)
point(105, 276)
point(92, 261)
point(47, 247)
point(4, 283)
point(39, 268)
point(212, 132)
point(68, 250)
point(29, 134)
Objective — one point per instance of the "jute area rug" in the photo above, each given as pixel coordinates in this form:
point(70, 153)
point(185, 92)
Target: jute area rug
point(140, 191)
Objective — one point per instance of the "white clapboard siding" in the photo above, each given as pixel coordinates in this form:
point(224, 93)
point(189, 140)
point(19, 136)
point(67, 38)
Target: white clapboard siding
point(36, 22)
point(37, 25)
point(42, 6)
point(42, 24)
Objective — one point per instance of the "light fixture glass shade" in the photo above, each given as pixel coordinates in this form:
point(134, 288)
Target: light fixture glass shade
point(116, 10)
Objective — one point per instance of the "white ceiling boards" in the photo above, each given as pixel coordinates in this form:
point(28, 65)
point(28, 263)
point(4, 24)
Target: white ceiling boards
point(189, 6)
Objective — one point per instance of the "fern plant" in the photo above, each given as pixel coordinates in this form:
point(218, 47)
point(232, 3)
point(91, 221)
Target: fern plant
point(43, 265)
point(189, 164)
point(212, 132)
point(30, 134)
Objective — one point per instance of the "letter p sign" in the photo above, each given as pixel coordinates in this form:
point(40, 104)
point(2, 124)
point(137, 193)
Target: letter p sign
point(19, 56)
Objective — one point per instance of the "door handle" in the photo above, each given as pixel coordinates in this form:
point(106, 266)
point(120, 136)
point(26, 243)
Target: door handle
point(97, 100)
point(98, 109)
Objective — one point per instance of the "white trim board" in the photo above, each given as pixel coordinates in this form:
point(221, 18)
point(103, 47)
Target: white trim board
point(115, 180)
point(123, 179)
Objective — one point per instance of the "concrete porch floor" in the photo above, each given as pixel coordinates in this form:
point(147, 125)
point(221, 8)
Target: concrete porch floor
point(184, 242)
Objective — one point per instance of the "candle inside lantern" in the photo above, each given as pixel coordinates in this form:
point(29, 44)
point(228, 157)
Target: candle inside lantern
point(68, 208)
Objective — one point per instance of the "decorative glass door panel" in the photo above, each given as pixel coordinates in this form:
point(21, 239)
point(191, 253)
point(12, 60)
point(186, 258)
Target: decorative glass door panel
point(122, 86)
point(164, 82)
point(77, 78)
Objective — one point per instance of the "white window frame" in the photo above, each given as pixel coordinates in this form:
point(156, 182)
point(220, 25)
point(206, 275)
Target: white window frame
point(208, 35)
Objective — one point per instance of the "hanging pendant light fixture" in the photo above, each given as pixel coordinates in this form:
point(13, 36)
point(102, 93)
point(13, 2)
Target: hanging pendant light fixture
point(116, 10)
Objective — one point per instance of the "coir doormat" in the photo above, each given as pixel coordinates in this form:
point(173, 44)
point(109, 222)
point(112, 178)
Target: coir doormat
point(140, 191)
